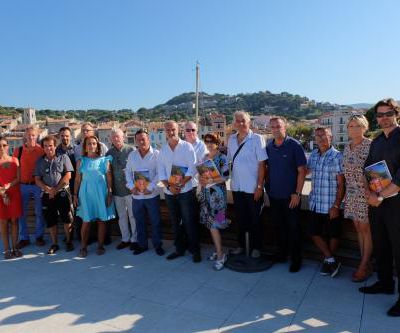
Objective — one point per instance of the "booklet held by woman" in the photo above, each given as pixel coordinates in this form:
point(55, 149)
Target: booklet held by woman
point(209, 170)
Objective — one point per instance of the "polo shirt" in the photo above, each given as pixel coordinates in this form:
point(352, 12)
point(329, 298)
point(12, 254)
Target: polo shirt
point(283, 161)
point(118, 165)
point(51, 171)
point(245, 168)
point(28, 161)
point(324, 171)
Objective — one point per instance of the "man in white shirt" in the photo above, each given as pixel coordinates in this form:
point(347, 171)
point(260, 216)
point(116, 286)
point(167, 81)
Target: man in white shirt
point(176, 168)
point(247, 155)
point(142, 177)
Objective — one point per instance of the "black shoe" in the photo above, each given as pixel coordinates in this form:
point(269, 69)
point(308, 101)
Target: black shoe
point(377, 288)
point(53, 249)
point(174, 255)
point(160, 251)
point(325, 268)
point(394, 311)
point(138, 251)
point(335, 267)
point(122, 245)
point(134, 246)
point(196, 257)
point(69, 247)
point(295, 266)
point(22, 243)
point(40, 241)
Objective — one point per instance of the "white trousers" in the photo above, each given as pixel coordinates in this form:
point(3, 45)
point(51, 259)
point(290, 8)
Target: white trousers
point(125, 217)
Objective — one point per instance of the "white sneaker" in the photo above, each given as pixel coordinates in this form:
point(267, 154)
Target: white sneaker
point(213, 257)
point(238, 250)
point(219, 264)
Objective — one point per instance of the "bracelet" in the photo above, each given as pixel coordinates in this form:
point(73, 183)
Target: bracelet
point(336, 206)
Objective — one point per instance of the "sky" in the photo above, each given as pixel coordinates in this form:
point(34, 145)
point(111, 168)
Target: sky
point(113, 54)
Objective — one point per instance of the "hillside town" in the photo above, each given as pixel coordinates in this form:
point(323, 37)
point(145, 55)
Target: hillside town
point(12, 128)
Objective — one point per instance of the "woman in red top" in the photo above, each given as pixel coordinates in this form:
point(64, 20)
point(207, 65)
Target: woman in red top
point(10, 200)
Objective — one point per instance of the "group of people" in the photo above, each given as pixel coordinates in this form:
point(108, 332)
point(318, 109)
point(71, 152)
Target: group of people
point(86, 183)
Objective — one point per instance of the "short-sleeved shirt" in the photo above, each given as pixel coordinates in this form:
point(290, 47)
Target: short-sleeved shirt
point(324, 171)
point(283, 161)
point(201, 150)
point(388, 149)
point(245, 168)
point(70, 152)
point(51, 171)
point(118, 164)
point(28, 160)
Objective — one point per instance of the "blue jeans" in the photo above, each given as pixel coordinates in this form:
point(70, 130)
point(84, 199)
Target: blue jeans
point(181, 209)
point(29, 191)
point(139, 208)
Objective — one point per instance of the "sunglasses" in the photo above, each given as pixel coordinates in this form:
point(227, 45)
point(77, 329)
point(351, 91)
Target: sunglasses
point(5, 145)
point(385, 114)
point(209, 141)
point(190, 130)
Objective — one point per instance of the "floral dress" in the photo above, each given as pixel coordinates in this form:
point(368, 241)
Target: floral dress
point(355, 202)
point(213, 200)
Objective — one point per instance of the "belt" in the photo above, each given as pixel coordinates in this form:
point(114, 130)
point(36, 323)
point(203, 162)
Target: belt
point(30, 183)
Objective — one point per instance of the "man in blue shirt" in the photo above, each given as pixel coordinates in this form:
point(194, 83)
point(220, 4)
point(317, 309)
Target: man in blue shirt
point(286, 171)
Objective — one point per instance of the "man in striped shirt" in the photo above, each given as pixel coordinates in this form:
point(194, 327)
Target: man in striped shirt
point(327, 192)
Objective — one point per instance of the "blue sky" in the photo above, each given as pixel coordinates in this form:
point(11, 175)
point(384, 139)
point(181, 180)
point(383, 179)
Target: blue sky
point(79, 54)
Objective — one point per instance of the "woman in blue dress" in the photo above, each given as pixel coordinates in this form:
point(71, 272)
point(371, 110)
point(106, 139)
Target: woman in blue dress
point(213, 199)
point(93, 182)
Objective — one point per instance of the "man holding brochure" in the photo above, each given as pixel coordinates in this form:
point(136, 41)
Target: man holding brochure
point(384, 210)
point(176, 168)
point(141, 179)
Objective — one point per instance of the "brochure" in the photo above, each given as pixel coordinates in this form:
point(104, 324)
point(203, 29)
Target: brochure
point(177, 174)
point(209, 170)
point(378, 176)
point(142, 179)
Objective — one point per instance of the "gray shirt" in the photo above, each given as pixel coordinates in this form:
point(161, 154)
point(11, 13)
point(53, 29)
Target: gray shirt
point(51, 171)
point(118, 166)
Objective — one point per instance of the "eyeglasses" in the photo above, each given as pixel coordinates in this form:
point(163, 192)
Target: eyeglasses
point(190, 130)
point(390, 113)
point(87, 130)
point(356, 116)
point(209, 141)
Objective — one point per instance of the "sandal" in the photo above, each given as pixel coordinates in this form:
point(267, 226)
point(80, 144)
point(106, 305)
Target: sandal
point(100, 251)
point(17, 253)
point(8, 255)
point(53, 249)
point(82, 253)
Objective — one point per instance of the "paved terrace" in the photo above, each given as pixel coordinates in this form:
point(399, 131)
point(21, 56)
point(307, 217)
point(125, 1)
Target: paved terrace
point(119, 292)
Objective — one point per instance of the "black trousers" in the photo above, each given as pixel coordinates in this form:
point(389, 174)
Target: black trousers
point(288, 230)
point(385, 230)
point(247, 212)
point(182, 216)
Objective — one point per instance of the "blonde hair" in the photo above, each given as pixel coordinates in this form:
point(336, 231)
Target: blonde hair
point(360, 120)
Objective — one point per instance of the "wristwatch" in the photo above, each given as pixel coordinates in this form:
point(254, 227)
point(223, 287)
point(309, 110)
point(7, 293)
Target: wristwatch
point(298, 194)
